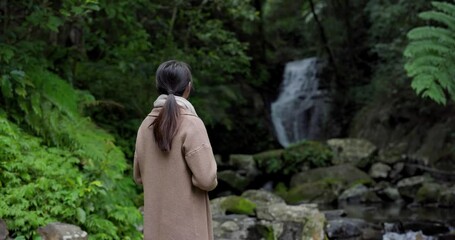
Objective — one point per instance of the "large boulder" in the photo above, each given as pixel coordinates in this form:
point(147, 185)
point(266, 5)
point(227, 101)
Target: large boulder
point(392, 153)
point(345, 174)
point(59, 231)
point(314, 192)
point(299, 222)
point(244, 164)
point(345, 228)
point(351, 150)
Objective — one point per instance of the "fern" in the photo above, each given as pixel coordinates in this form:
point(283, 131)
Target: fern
point(76, 166)
point(430, 59)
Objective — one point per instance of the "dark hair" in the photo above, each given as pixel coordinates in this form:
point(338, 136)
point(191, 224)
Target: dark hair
point(172, 78)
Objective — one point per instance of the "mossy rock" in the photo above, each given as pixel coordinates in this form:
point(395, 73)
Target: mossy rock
point(314, 192)
point(238, 205)
point(428, 193)
point(346, 174)
point(269, 161)
point(234, 179)
point(313, 153)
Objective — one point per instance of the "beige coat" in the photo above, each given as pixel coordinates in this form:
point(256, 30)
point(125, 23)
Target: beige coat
point(176, 203)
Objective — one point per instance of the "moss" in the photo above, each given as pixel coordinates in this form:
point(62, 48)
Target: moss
point(313, 153)
point(319, 192)
point(270, 161)
point(239, 205)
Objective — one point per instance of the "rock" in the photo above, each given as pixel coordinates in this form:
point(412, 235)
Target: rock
point(244, 163)
point(232, 227)
point(261, 197)
point(428, 193)
point(345, 228)
point(408, 235)
point(392, 153)
point(234, 179)
point(333, 214)
point(232, 204)
point(304, 217)
point(345, 174)
point(390, 194)
point(3, 230)
point(408, 187)
point(59, 231)
point(397, 168)
point(269, 161)
point(447, 197)
point(350, 150)
point(315, 192)
point(358, 194)
point(427, 227)
point(379, 170)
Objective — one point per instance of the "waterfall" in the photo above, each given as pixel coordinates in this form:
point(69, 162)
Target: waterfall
point(301, 109)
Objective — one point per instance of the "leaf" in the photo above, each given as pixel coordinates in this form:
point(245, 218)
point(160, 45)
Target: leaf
point(53, 23)
point(7, 88)
point(81, 215)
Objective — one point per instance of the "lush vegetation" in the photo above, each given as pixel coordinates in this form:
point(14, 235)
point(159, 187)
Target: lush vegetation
point(77, 78)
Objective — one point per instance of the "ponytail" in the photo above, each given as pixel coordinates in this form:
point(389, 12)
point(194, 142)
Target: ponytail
point(165, 125)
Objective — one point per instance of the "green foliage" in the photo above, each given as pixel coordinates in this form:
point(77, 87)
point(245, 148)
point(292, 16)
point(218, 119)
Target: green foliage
point(316, 154)
point(270, 161)
point(430, 59)
point(239, 205)
point(102, 201)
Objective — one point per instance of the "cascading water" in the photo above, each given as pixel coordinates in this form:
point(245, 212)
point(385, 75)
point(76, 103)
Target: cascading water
point(301, 110)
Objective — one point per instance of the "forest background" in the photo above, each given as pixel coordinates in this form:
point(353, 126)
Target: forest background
point(77, 78)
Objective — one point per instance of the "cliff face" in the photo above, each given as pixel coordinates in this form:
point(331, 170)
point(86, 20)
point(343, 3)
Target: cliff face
point(406, 124)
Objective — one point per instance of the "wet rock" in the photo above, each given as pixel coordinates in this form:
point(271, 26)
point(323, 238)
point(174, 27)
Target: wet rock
point(261, 197)
point(333, 214)
point(408, 187)
point(345, 174)
point(58, 231)
point(428, 193)
point(405, 236)
point(3, 230)
point(379, 170)
point(345, 228)
point(350, 150)
point(358, 194)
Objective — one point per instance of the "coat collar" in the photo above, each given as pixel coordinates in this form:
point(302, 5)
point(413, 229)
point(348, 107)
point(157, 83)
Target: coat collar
point(156, 111)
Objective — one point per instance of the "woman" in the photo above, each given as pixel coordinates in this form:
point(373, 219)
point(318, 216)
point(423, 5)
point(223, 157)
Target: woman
point(174, 162)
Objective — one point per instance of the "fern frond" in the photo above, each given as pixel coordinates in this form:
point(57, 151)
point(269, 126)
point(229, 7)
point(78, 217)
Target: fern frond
point(424, 47)
point(445, 7)
point(437, 33)
point(440, 17)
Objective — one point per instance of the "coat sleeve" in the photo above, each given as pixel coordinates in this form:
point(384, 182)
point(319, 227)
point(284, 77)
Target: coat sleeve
point(137, 170)
point(199, 157)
